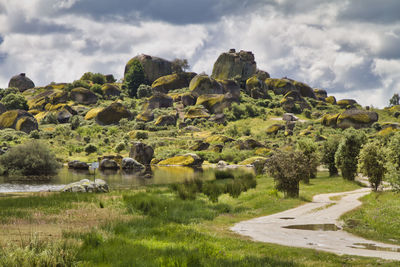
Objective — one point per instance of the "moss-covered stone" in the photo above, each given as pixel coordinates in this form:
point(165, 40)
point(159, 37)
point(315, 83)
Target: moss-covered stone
point(203, 85)
point(20, 119)
point(304, 89)
point(91, 114)
point(47, 96)
point(280, 86)
point(262, 151)
point(174, 81)
point(387, 131)
point(214, 103)
point(110, 90)
point(292, 102)
point(83, 96)
point(275, 128)
point(331, 100)
point(26, 124)
point(234, 65)
point(165, 120)
point(145, 116)
point(113, 114)
point(230, 88)
point(256, 88)
point(344, 103)
point(257, 162)
point(190, 160)
point(159, 100)
point(329, 119)
point(21, 82)
point(356, 118)
point(188, 99)
point(320, 94)
point(154, 67)
point(196, 112)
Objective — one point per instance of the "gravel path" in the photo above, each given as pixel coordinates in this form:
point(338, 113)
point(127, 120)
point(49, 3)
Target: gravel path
point(321, 215)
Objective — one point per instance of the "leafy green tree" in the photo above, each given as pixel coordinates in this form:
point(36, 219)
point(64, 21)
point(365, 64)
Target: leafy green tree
point(288, 168)
point(309, 149)
point(395, 100)
point(14, 101)
point(347, 152)
point(180, 65)
point(371, 163)
point(393, 162)
point(328, 154)
point(134, 77)
point(98, 78)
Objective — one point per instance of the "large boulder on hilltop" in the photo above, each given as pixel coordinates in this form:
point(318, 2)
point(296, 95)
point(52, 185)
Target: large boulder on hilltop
point(19, 120)
point(83, 96)
point(234, 65)
point(304, 89)
point(215, 103)
point(292, 102)
point(154, 67)
point(356, 118)
point(202, 85)
point(320, 94)
point(142, 153)
point(173, 81)
point(280, 86)
point(159, 101)
point(345, 103)
point(231, 88)
point(190, 160)
point(50, 96)
point(110, 90)
point(21, 82)
point(262, 75)
point(256, 88)
point(112, 114)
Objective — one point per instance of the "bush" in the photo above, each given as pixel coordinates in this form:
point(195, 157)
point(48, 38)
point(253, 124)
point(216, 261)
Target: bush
point(142, 135)
point(120, 147)
point(309, 149)
point(288, 168)
point(371, 163)
point(393, 162)
point(90, 149)
point(347, 152)
point(98, 78)
point(14, 101)
point(75, 122)
point(80, 83)
point(179, 65)
point(50, 118)
point(328, 154)
point(144, 91)
point(34, 134)
point(134, 77)
point(96, 88)
point(30, 158)
point(7, 91)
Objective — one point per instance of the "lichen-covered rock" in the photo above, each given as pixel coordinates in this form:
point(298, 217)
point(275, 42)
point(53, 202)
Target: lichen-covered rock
point(292, 102)
point(304, 89)
point(196, 112)
point(108, 164)
point(141, 152)
point(78, 165)
point(110, 90)
point(133, 165)
point(280, 86)
point(159, 101)
point(191, 128)
point(189, 160)
point(86, 186)
point(262, 75)
point(231, 89)
point(83, 96)
point(331, 100)
point(219, 139)
point(47, 97)
point(256, 88)
point(356, 118)
point(154, 67)
point(202, 85)
point(273, 129)
point(234, 65)
point(3, 108)
point(63, 115)
point(91, 114)
point(257, 162)
point(112, 114)
point(329, 119)
point(19, 120)
point(345, 103)
point(289, 117)
point(188, 99)
point(145, 116)
point(165, 120)
point(174, 81)
point(215, 103)
point(218, 118)
point(21, 82)
point(199, 146)
point(248, 144)
point(320, 94)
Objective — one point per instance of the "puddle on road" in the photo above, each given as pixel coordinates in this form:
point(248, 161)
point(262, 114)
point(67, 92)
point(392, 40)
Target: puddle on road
point(286, 218)
point(314, 227)
point(371, 246)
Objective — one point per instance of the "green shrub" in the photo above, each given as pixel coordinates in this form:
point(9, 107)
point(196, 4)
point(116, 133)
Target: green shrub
point(309, 149)
point(393, 162)
point(80, 83)
point(371, 163)
point(14, 101)
point(98, 78)
point(7, 91)
point(328, 154)
point(89, 149)
point(134, 78)
point(223, 174)
point(121, 146)
point(75, 122)
point(34, 134)
point(96, 88)
point(144, 91)
point(288, 168)
point(30, 158)
point(50, 118)
point(347, 152)
point(142, 135)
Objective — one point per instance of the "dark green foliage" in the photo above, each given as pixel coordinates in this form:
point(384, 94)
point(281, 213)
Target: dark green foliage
point(134, 78)
point(14, 101)
point(7, 91)
point(98, 78)
point(34, 134)
point(90, 148)
point(80, 83)
point(180, 65)
point(30, 158)
point(213, 191)
point(307, 113)
point(142, 135)
point(96, 88)
point(75, 122)
point(121, 146)
point(309, 149)
point(144, 91)
point(288, 168)
point(393, 162)
point(328, 154)
point(223, 174)
point(395, 100)
point(50, 118)
point(371, 163)
point(347, 152)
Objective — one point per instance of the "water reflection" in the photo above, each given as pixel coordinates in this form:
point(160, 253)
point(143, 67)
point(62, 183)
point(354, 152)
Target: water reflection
point(117, 179)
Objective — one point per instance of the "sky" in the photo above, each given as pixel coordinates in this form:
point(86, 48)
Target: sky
point(349, 48)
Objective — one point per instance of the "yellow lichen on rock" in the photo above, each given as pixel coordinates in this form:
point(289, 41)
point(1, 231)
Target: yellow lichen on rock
point(8, 118)
point(91, 114)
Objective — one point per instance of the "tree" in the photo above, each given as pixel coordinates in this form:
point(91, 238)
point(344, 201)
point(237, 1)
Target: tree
point(309, 149)
point(371, 163)
point(393, 162)
point(328, 154)
point(134, 77)
point(395, 100)
point(347, 152)
point(180, 65)
point(288, 168)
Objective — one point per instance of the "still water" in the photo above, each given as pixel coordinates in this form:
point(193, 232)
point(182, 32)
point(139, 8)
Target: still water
point(115, 179)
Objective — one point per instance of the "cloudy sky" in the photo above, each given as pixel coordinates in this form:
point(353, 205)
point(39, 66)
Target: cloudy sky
point(350, 48)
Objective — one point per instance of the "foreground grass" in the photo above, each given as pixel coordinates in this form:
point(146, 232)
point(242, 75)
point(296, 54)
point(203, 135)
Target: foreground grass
point(163, 230)
point(377, 218)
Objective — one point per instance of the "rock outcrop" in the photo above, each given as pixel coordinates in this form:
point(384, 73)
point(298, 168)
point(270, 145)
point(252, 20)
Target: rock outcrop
point(112, 114)
point(189, 160)
point(110, 90)
point(356, 118)
point(174, 81)
point(87, 186)
point(83, 96)
point(154, 67)
point(142, 153)
point(159, 101)
point(19, 120)
point(132, 165)
point(165, 120)
point(203, 85)
point(78, 165)
point(280, 86)
point(21, 82)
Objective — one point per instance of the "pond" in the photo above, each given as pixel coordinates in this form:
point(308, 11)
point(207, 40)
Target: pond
point(115, 179)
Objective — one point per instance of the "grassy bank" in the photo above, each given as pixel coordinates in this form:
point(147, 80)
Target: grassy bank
point(152, 227)
point(377, 218)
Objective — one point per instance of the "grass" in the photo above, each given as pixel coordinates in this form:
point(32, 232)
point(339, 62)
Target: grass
point(377, 218)
point(159, 229)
